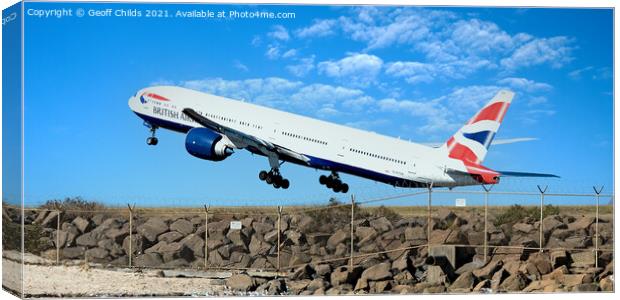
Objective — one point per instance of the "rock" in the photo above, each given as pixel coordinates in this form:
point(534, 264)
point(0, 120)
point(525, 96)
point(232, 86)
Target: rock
point(61, 237)
point(72, 252)
point(322, 269)
point(435, 275)
point(415, 234)
point(541, 262)
point(89, 239)
point(487, 271)
point(582, 223)
point(381, 224)
point(317, 283)
point(365, 234)
point(607, 284)
point(170, 237)
point(238, 238)
point(148, 260)
point(342, 275)
point(271, 237)
point(337, 238)
point(82, 224)
point(586, 287)
point(183, 226)
point(515, 282)
point(582, 259)
point(174, 251)
point(113, 248)
point(152, 229)
point(295, 237)
point(552, 223)
point(240, 282)
point(96, 254)
point(522, 228)
point(447, 252)
point(40, 217)
point(401, 263)
point(297, 286)
point(262, 228)
point(194, 243)
point(138, 242)
point(446, 216)
point(378, 272)
point(116, 234)
point(539, 285)
point(570, 280)
point(51, 219)
point(559, 258)
point(463, 283)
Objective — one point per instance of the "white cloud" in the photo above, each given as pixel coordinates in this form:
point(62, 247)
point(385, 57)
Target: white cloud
point(304, 67)
point(290, 53)
point(320, 100)
point(273, 52)
point(319, 28)
point(240, 66)
point(413, 72)
point(525, 84)
point(476, 36)
point(555, 51)
point(357, 69)
point(380, 28)
point(280, 33)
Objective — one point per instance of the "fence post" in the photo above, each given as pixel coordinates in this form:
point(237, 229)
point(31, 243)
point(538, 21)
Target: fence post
point(206, 235)
point(130, 254)
point(57, 207)
point(352, 220)
point(428, 221)
point(542, 204)
point(279, 234)
point(486, 219)
point(596, 234)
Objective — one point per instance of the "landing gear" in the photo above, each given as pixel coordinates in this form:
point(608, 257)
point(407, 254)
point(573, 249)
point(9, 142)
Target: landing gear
point(333, 182)
point(152, 140)
point(274, 178)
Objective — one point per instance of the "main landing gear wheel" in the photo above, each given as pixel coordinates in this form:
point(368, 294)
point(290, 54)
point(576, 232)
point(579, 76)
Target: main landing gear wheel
point(152, 141)
point(333, 182)
point(274, 178)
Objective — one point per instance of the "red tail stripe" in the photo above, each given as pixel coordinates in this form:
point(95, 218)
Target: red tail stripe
point(463, 153)
point(491, 113)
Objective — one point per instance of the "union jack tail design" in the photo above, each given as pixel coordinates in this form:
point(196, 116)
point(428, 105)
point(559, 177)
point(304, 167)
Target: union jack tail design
point(471, 143)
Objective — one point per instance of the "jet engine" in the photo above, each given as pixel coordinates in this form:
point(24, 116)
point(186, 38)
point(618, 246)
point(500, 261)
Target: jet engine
point(207, 144)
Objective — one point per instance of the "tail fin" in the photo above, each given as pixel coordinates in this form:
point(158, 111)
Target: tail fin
point(472, 141)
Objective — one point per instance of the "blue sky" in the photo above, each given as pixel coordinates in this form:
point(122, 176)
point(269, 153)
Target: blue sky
point(415, 73)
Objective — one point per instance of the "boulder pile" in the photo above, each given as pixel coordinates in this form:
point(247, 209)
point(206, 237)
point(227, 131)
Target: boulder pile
point(390, 255)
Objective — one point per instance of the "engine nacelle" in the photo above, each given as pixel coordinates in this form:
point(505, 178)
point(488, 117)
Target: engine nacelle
point(206, 144)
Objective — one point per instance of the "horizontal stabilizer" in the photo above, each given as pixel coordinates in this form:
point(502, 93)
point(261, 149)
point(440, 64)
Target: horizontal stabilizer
point(525, 174)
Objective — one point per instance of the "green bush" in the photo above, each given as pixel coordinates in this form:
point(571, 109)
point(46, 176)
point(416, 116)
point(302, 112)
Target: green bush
point(516, 213)
point(75, 206)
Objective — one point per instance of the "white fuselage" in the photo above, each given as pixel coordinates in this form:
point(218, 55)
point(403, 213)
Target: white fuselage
point(361, 153)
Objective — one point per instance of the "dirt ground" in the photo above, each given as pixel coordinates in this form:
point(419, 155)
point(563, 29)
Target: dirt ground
point(77, 281)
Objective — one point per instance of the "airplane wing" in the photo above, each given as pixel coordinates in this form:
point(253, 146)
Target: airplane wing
point(244, 140)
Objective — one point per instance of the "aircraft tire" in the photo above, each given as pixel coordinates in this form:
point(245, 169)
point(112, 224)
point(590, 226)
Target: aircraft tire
point(155, 141)
point(345, 188)
point(285, 184)
point(323, 179)
point(269, 179)
point(337, 188)
point(263, 175)
point(276, 185)
point(330, 183)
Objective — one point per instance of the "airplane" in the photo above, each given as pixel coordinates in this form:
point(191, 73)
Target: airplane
point(217, 126)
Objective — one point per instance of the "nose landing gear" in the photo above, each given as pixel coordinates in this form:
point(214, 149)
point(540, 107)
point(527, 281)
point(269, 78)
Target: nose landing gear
point(274, 178)
point(333, 182)
point(152, 140)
